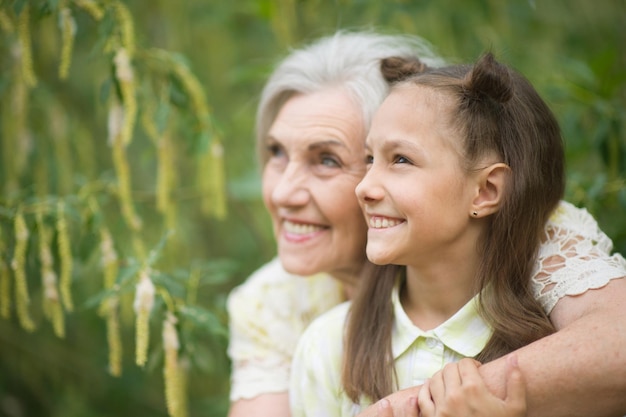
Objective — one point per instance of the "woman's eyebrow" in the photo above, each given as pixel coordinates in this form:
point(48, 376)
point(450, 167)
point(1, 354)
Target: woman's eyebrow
point(324, 143)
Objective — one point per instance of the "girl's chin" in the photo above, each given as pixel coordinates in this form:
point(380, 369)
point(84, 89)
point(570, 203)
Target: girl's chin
point(379, 258)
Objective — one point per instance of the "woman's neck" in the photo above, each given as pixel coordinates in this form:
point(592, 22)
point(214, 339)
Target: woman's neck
point(349, 280)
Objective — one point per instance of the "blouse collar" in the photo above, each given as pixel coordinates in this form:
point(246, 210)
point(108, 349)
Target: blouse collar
point(465, 332)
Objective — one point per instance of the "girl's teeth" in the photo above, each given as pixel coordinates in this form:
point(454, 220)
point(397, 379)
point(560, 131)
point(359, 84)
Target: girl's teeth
point(383, 222)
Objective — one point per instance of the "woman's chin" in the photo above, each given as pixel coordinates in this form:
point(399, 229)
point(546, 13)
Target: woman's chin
point(299, 267)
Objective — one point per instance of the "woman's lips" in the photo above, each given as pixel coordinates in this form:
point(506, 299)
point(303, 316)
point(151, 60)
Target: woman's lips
point(298, 232)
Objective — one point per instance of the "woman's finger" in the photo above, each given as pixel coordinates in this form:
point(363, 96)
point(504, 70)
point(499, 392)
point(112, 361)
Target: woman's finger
point(425, 402)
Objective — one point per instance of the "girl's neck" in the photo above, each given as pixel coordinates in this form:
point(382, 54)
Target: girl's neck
point(431, 296)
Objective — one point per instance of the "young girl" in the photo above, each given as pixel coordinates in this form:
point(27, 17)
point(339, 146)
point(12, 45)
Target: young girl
point(465, 167)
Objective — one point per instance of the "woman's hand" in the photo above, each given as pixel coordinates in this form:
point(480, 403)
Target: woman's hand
point(459, 391)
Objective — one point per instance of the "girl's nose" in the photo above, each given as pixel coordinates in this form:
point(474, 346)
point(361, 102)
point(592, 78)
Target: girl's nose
point(369, 189)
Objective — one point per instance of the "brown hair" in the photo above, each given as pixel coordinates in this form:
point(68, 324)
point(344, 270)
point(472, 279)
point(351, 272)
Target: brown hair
point(497, 110)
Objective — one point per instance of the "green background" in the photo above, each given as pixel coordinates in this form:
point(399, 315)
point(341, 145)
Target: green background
point(574, 51)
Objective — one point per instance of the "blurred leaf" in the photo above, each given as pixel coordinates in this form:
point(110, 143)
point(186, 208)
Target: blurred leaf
point(204, 319)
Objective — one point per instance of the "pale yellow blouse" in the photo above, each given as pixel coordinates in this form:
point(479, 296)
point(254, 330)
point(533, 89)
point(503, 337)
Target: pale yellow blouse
point(316, 389)
point(269, 312)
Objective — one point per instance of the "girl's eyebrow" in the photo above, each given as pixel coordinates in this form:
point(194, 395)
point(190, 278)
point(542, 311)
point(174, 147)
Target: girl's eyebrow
point(400, 143)
point(393, 144)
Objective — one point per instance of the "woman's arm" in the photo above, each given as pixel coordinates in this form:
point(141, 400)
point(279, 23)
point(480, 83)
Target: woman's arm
point(264, 405)
point(581, 369)
point(578, 371)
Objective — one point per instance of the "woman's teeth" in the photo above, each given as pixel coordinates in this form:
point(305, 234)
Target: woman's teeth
point(300, 228)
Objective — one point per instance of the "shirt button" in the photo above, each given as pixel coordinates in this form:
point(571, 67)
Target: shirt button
point(432, 343)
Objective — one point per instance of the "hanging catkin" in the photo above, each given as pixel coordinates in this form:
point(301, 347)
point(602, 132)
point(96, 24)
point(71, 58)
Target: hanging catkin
point(67, 25)
point(108, 258)
point(5, 282)
point(123, 69)
point(6, 25)
point(210, 180)
point(14, 124)
point(51, 303)
point(91, 7)
point(122, 170)
point(26, 53)
point(114, 335)
point(109, 308)
point(18, 264)
point(210, 177)
point(173, 374)
point(165, 176)
point(125, 78)
point(125, 27)
point(144, 301)
point(65, 257)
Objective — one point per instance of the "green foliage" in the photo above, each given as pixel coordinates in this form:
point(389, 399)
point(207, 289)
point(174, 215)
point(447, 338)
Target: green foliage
point(197, 70)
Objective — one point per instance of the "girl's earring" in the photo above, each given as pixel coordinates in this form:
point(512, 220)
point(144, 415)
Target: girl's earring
point(474, 213)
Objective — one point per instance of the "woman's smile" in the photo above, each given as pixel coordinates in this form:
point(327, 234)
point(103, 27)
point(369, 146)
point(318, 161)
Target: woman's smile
point(299, 232)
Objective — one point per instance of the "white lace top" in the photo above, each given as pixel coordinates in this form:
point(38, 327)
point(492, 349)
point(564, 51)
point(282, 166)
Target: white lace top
point(269, 312)
point(574, 258)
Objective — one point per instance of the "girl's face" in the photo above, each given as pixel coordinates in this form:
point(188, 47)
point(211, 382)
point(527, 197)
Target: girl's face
point(316, 159)
point(415, 196)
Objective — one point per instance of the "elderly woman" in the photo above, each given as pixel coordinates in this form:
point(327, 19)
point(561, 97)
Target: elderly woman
point(312, 121)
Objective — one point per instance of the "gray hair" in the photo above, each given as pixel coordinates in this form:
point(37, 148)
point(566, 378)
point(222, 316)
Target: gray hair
point(349, 60)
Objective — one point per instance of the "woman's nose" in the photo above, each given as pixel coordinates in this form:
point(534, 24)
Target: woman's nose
point(291, 189)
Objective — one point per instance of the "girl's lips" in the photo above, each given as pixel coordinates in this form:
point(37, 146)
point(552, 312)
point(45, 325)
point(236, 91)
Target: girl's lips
point(381, 222)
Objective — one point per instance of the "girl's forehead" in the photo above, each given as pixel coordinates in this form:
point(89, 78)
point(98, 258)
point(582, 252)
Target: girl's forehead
point(420, 93)
point(416, 113)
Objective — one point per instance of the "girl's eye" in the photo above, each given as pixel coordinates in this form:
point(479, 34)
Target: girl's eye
point(369, 159)
point(399, 159)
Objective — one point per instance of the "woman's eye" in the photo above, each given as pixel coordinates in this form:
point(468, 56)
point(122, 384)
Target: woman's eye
point(329, 161)
point(274, 150)
point(369, 159)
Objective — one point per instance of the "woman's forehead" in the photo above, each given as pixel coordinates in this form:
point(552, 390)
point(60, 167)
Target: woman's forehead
point(323, 117)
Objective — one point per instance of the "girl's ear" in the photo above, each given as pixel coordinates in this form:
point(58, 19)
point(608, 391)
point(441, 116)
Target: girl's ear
point(491, 182)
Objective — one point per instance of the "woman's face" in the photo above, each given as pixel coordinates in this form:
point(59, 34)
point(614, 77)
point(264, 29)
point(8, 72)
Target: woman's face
point(316, 159)
point(416, 197)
